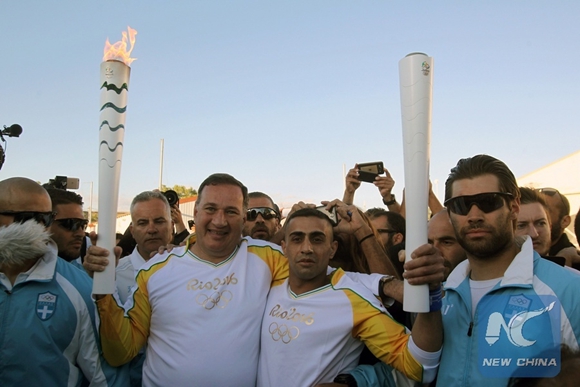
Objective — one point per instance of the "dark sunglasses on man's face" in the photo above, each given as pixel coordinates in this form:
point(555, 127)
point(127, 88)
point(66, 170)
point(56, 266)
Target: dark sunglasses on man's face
point(386, 231)
point(486, 202)
point(267, 213)
point(45, 218)
point(72, 224)
point(548, 191)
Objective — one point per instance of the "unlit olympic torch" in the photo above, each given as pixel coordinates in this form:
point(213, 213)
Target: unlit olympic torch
point(115, 73)
point(416, 83)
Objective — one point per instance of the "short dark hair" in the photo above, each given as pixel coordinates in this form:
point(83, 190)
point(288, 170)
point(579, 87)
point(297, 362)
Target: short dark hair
point(375, 212)
point(396, 220)
point(307, 212)
point(223, 179)
point(479, 165)
point(257, 194)
point(61, 196)
point(530, 196)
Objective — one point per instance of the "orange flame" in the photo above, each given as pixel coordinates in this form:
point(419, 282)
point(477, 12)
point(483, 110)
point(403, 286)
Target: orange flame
point(118, 51)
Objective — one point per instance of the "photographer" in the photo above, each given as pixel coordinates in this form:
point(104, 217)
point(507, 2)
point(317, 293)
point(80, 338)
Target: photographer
point(385, 185)
point(181, 231)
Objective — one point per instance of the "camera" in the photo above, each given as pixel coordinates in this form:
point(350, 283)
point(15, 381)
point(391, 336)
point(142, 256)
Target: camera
point(11, 131)
point(172, 197)
point(331, 214)
point(368, 171)
point(63, 182)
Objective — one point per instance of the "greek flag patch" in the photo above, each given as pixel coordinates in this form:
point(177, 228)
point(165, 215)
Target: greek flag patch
point(46, 305)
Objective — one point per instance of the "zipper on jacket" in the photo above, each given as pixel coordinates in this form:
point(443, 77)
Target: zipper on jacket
point(470, 330)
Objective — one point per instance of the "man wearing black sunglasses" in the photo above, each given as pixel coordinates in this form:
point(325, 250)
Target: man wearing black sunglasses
point(47, 335)
point(262, 217)
point(68, 228)
point(500, 279)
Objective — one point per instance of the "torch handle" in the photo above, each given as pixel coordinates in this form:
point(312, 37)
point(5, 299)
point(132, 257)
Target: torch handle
point(416, 77)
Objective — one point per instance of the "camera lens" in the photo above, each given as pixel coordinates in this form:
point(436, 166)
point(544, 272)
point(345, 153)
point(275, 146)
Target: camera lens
point(172, 197)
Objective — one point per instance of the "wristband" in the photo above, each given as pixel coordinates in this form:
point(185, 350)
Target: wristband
point(436, 299)
point(367, 237)
point(390, 202)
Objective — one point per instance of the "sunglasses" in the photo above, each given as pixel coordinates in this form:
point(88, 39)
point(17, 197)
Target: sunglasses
point(386, 231)
point(548, 191)
point(486, 202)
point(72, 224)
point(267, 213)
point(45, 218)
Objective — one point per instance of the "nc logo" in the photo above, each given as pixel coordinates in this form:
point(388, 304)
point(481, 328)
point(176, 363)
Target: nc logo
point(514, 327)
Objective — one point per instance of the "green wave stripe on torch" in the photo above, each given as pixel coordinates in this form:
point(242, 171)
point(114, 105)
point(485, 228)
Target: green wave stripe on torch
point(112, 105)
point(112, 86)
point(105, 122)
point(111, 149)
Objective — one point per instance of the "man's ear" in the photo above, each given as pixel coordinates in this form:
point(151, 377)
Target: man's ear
point(131, 228)
point(565, 222)
point(398, 238)
point(334, 246)
point(283, 245)
point(515, 209)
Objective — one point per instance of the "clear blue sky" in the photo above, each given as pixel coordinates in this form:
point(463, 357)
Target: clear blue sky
point(281, 94)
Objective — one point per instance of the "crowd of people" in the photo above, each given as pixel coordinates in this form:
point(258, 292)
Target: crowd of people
point(315, 299)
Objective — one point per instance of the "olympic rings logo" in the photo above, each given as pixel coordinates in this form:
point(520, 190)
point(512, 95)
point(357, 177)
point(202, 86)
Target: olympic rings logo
point(284, 333)
point(219, 299)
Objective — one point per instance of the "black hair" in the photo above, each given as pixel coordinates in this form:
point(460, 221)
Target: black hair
point(479, 165)
point(61, 196)
point(223, 179)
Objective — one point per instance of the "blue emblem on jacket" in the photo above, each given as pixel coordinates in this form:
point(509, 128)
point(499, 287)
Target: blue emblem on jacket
point(46, 305)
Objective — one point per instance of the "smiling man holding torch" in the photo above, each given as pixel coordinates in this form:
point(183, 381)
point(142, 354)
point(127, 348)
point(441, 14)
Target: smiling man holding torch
point(199, 308)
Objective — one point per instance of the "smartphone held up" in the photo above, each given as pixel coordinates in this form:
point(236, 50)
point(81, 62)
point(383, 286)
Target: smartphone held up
point(369, 171)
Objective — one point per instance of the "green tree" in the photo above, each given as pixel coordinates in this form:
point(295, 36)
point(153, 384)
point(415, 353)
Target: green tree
point(181, 190)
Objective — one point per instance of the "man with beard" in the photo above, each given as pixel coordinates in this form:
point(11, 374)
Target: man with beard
point(47, 336)
point(559, 211)
point(68, 228)
point(391, 228)
point(533, 220)
point(440, 234)
point(502, 287)
point(262, 218)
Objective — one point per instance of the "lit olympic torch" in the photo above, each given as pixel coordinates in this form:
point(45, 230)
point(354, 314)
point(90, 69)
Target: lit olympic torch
point(416, 83)
point(115, 73)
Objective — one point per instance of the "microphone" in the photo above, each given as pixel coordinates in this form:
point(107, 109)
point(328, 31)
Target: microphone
point(14, 130)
